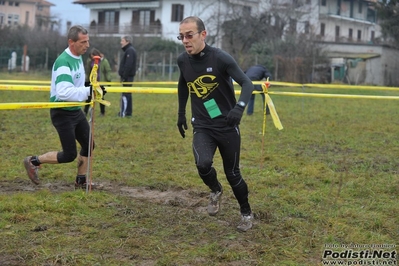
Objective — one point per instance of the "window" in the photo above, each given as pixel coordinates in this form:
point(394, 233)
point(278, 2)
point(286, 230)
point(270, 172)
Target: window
point(323, 2)
point(2, 18)
point(292, 26)
point(12, 19)
point(372, 36)
point(322, 29)
point(359, 35)
point(246, 10)
point(277, 21)
point(177, 12)
point(108, 21)
point(360, 7)
point(10, 3)
point(143, 17)
point(2, 3)
point(350, 35)
point(307, 27)
point(26, 17)
point(336, 33)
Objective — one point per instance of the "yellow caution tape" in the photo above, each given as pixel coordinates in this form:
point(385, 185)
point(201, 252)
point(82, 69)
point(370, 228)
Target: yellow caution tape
point(97, 91)
point(23, 88)
point(40, 105)
point(327, 95)
point(26, 81)
point(274, 83)
point(272, 109)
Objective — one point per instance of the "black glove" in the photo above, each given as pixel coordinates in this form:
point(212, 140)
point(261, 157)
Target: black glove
point(182, 125)
point(104, 91)
point(87, 84)
point(234, 116)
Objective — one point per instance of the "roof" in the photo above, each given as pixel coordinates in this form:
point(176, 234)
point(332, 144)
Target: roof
point(46, 3)
point(352, 55)
point(110, 1)
point(40, 2)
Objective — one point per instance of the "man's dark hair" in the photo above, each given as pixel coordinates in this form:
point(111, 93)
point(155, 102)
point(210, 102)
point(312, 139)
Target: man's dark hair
point(73, 33)
point(197, 20)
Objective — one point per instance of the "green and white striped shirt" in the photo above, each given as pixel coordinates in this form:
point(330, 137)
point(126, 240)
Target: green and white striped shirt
point(67, 80)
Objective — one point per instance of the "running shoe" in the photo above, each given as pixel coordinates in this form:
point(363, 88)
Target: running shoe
point(32, 170)
point(214, 202)
point(246, 222)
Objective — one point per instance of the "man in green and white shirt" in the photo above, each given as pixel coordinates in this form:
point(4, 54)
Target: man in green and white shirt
point(68, 85)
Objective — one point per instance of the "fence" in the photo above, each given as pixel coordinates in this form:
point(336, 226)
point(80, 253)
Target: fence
point(150, 65)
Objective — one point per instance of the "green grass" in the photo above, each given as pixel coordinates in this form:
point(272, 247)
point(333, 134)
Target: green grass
point(329, 177)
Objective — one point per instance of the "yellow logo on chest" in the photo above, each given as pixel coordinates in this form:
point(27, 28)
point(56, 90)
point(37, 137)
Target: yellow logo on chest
point(203, 86)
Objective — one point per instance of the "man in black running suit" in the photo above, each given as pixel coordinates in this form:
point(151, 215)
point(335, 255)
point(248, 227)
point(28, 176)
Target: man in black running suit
point(205, 75)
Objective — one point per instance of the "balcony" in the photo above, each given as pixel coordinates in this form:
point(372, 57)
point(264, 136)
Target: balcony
point(134, 30)
point(335, 12)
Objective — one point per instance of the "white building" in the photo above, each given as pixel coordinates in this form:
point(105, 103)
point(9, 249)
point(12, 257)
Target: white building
point(331, 20)
point(342, 25)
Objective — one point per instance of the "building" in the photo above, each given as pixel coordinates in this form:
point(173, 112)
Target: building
point(34, 14)
point(340, 25)
point(349, 31)
point(158, 18)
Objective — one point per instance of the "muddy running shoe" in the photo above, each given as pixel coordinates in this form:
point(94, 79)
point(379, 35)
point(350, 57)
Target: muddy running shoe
point(32, 170)
point(246, 223)
point(81, 184)
point(214, 202)
point(95, 186)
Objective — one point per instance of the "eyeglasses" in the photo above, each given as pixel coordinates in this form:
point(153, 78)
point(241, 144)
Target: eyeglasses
point(187, 36)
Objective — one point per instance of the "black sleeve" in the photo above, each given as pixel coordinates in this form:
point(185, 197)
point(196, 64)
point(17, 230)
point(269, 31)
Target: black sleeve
point(239, 76)
point(182, 89)
point(267, 74)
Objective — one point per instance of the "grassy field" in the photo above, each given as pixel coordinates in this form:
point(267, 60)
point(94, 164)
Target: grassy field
point(329, 178)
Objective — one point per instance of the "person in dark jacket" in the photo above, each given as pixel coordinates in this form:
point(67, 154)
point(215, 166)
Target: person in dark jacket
point(257, 73)
point(205, 78)
point(127, 71)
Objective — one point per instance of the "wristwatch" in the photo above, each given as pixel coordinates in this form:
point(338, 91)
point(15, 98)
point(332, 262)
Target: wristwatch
point(241, 103)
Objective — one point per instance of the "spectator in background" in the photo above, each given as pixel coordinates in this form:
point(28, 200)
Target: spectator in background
point(257, 73)
point(103, 73)
point(127, 71)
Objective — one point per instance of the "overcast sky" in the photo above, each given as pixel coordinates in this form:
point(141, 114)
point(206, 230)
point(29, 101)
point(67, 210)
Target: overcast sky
point(67, 11)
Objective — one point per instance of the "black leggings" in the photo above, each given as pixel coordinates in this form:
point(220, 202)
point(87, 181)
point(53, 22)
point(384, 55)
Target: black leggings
point(71, 126)
point(205, 143)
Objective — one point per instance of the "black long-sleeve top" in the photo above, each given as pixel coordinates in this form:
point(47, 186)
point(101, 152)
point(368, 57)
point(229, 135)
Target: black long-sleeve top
point(127, 67)
point(207, 76)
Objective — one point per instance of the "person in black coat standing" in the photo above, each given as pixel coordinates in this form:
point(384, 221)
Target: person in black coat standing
point(127, 71)
point(257, 73)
